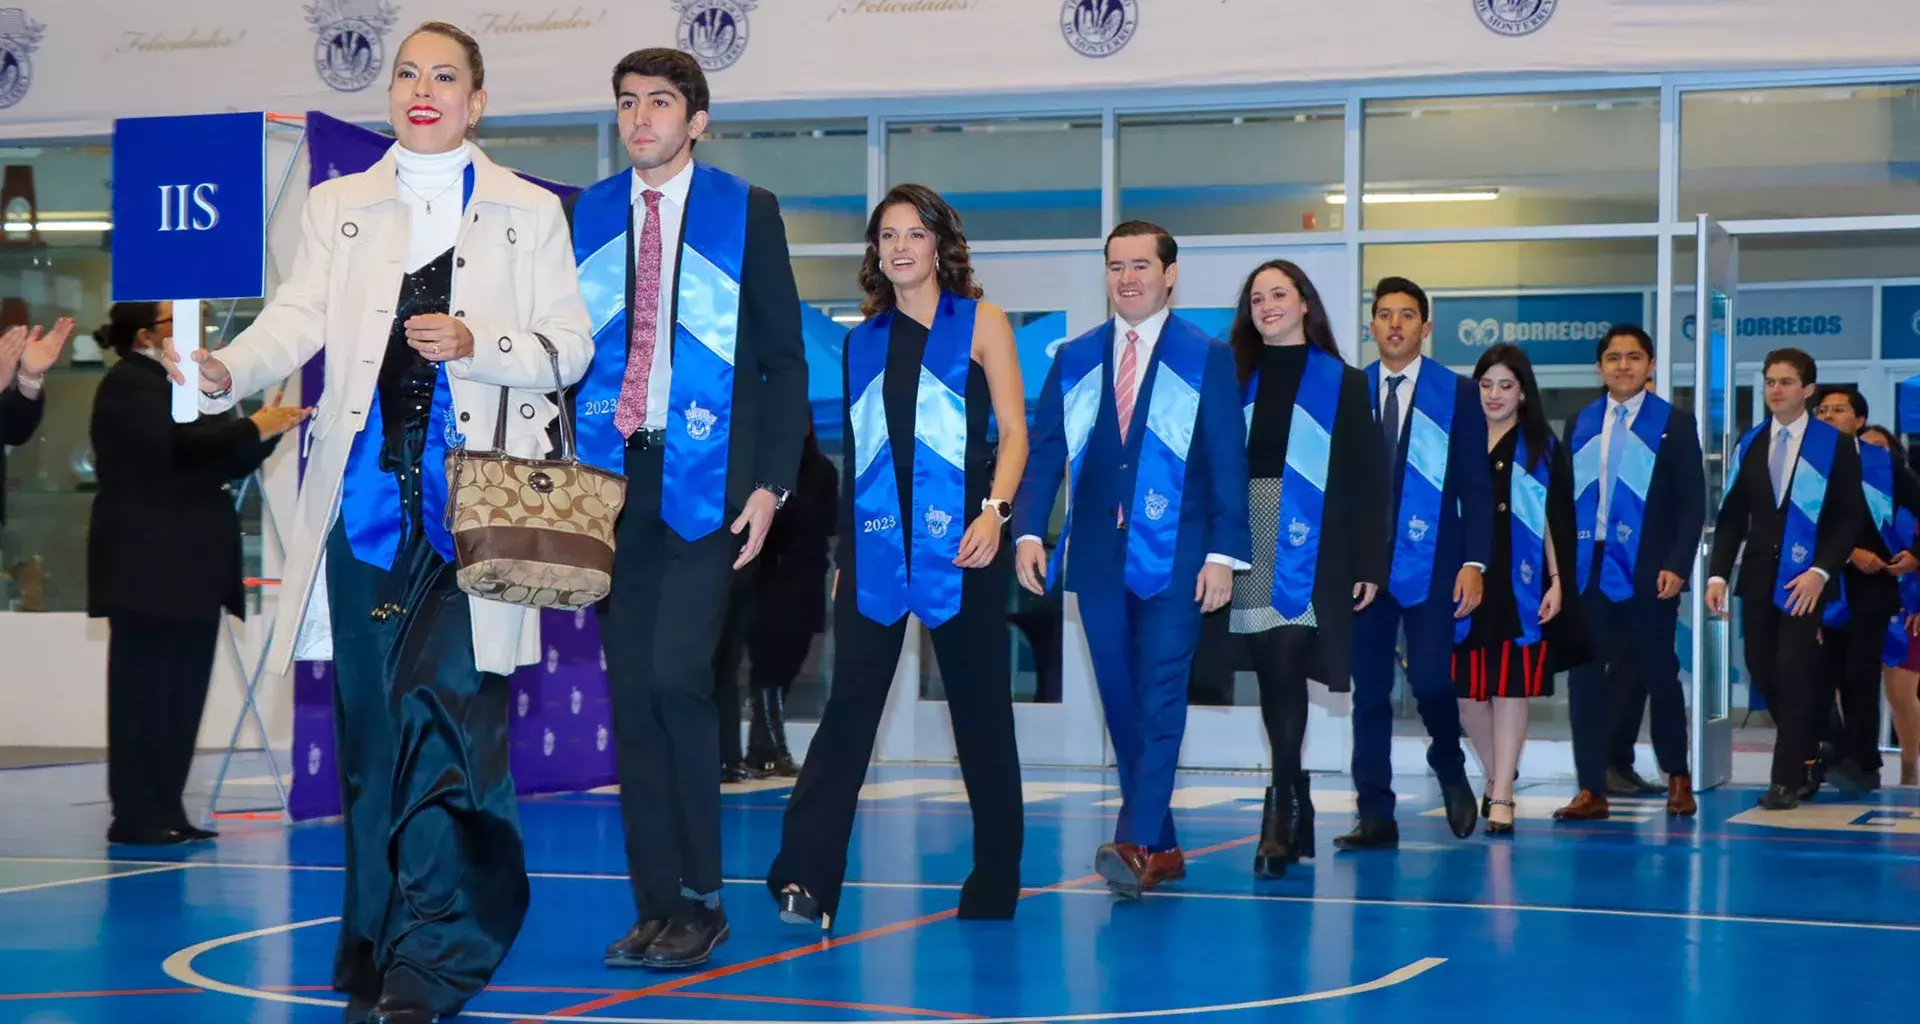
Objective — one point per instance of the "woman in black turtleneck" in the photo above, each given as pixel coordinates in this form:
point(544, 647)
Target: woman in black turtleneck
point(1332, 534)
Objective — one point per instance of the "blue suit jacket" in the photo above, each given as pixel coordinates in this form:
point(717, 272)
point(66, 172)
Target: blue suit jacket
point(1213, 509)
point(1466, 502)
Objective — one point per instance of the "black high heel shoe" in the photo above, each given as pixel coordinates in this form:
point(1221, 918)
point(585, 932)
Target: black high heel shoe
point(797, 906)
point(1498, 828)
point(1277, 826)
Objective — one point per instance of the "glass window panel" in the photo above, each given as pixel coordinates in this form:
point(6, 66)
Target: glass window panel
point(1485, 161)
point(818, 169)
point(1011, 178)
point(1223, 173)
point(1820, 151)
point(568, 154)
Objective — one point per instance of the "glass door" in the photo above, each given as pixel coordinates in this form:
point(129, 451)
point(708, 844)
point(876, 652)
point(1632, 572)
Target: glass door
point(1709, 667)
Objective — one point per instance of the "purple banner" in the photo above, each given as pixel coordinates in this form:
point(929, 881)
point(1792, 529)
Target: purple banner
point(562, 718)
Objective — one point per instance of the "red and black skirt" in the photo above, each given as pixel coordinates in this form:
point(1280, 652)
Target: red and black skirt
point(1503, 670)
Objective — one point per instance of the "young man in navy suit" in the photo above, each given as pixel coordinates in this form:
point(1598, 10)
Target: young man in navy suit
point(1639, 502)
point(1143, 416)
point(1440, 494)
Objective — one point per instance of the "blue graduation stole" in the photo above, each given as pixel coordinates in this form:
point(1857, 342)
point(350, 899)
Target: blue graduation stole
point(1303, 483)
point(1528, 502)
point(706, 307)
point(1173, 407)
point(1627, 504)
point(1895, 650)
point(1417, 534)
point(1806, 495)
point(887, 589)
point(370, 505)
point(1876, 479)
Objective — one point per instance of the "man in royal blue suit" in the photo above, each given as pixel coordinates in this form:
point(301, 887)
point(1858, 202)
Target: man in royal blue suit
point(1440, 493)
point(1143, 416)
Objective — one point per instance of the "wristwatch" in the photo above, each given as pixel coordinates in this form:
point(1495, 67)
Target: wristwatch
point(780, 495)
point(998, 506)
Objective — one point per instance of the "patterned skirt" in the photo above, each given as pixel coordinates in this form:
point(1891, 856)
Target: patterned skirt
point(1253, 610)
point(1503, 670)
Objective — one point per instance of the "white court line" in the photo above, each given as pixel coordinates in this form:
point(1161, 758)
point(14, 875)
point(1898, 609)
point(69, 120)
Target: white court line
point(108, 877)
point(180, 967)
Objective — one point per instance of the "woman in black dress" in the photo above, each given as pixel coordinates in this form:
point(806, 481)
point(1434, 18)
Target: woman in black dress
point(1319, 523)
point(924, 503)
point(1522, 633)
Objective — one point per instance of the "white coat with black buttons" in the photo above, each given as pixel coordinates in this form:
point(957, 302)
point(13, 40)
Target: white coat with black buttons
point(513, 278)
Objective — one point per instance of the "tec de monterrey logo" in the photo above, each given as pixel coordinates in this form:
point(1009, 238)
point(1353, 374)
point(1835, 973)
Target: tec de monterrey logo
point(19, 37)
point(351, 48)
point(714, 31)
point(1099, 28)
point(1514, 17)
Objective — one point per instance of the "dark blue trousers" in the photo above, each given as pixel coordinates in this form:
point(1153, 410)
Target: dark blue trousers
point(1376, 632)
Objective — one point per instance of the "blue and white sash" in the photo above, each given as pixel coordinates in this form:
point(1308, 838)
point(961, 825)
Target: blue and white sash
point(1528, 502)
point(1896, 648)
point(1876, 480)
point(1626, 504)
point(887, 589)
point(1417, 534)
point(370, 500)
point(1303, 484)
point(706, 309)
point(1807, 494)
point(1173, 407)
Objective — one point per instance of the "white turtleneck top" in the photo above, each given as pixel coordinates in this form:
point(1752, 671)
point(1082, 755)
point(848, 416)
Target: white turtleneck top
point(437, 179)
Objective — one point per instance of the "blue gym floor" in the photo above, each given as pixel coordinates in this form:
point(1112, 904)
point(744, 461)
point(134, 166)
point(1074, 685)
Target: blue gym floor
point(1736, 915)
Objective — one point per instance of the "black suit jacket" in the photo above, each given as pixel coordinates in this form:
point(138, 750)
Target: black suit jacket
point(1356, 543)
point(770, 409)
point(1876, 593)
point(19, 418)
point(1749, 516)
point(1676, 506)
point(164, 538)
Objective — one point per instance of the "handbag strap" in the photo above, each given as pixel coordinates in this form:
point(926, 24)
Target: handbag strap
point(559, 394)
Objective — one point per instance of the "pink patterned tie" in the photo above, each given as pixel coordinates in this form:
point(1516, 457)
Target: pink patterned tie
point(631, 412)
point(1123, 390)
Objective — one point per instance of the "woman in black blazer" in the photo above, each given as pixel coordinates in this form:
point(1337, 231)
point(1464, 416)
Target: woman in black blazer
point(163, 561)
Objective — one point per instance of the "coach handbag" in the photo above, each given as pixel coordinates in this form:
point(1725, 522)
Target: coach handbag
point(533, 532)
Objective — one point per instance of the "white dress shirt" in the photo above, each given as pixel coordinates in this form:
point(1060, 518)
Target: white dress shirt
point(1606, 444)
point(1796, 433)
point(673, 208)
point(1148, 334)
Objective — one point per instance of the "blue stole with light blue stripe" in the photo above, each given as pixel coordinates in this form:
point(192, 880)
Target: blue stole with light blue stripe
point(1806, 495)
point(887, 589)
point(1417, 534)
point(1173, 407)
point(1627, 504)
point(1876, 480)
point(1896, 648)
point(1528, 501)
point(370, 500)
point(706, 309)
point(1303, 482)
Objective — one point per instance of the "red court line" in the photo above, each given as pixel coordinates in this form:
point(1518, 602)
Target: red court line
point(14, 997)
point(826, 944)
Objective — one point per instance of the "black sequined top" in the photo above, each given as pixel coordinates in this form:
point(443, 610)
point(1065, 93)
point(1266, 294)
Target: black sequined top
point(406, 377)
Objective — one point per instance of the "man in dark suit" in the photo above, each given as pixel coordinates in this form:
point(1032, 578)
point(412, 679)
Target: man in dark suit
point(1639, 502)
point(1441, 494)
point(697, 380)
point(1143, 415)
point(1795, 504)
point(1854, 627)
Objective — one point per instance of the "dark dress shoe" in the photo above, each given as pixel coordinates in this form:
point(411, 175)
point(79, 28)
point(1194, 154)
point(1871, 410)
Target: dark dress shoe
point(1627, 782)
point(988, 899)
point(797, 906)
point(690, 938)
point(1588, 806)
point(1852, 780)
point(1124, 867)
point(124, 836)
point(392, 1010)
point(195, 833)
point(735, 771)
point(1779, 798)
point(631, 949)
point(1371, 834)
point(1462, 812)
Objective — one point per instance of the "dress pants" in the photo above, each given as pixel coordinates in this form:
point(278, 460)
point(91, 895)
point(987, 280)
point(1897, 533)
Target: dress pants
point(436, 878)
point(972, 648)
point(661, 627)
point(1629, 709)
point(1142, 660)
point(158, 670)
point(1634, 640)
point(1429, 631)
point(1280, 659)
point(726, 667)
point(1783, 661)
point(1853, 656)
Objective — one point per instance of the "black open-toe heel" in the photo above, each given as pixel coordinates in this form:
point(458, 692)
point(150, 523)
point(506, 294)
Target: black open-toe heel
point(797, 906)
point(1498, 828)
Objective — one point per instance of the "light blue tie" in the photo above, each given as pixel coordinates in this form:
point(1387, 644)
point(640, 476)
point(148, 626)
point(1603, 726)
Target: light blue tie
point(1777, 460)
point(1616, 449)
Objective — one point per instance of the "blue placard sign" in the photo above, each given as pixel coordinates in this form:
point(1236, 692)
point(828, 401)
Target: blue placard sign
point(190, 207)
point(1555, 329)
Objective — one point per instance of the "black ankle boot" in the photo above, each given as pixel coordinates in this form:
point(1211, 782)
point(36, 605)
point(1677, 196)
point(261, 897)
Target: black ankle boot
point(760, 748)
point(770, 706)
point(1303, 816)
point(1277, 822)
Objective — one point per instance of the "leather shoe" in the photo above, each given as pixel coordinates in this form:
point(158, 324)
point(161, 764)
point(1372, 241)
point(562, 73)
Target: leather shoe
point(1627, 782)
point(1124, 867)
point(631, 949)
point(1463, 811)
point(1680, 802)
point(1588, 806)
point(1780, 798)
point(1167, 865)
point(123, 836)
point(1852, 780)
point(690, 938)
point(735, 771)
point(393, 1010)
point(1371, 834)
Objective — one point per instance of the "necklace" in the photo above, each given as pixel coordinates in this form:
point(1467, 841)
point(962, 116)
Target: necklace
point(428, 200)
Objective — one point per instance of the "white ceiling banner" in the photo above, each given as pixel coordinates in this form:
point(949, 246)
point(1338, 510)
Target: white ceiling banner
point(72, 66)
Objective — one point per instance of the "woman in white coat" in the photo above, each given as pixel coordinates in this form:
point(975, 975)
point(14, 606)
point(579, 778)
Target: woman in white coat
point(432, 281)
